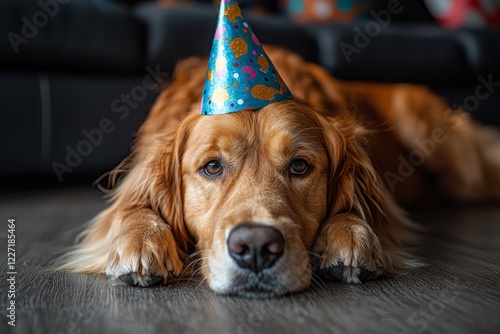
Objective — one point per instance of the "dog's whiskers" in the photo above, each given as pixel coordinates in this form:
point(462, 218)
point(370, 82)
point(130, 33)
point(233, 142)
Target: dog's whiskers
point(195, 263)
point(317, 282)
point(192, 266)
point(204, 278)
point(195, 254)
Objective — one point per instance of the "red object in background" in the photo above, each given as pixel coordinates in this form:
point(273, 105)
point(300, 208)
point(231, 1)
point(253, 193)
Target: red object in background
point(456, 14)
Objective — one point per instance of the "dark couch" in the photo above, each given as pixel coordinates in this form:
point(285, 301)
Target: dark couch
point(78, 77)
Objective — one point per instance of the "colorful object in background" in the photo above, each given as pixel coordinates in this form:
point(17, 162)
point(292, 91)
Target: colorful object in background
point(456, 14)
point(320, 11)
point(240, 75)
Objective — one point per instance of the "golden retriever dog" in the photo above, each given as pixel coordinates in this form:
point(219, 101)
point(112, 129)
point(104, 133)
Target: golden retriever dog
point(260, 201)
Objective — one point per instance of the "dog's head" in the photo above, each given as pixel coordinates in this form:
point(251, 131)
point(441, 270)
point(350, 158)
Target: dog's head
point(251, 190)
point(255, 193)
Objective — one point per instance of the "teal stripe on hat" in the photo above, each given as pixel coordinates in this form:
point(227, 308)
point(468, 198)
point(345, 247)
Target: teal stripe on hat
point(240, 75)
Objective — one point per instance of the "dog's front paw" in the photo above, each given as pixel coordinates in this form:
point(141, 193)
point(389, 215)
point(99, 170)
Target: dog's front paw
point(349, 250)
point(144, 253)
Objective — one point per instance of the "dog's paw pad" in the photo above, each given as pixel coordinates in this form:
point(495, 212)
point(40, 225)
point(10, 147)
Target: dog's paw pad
point(337, 273)
point(140, 280)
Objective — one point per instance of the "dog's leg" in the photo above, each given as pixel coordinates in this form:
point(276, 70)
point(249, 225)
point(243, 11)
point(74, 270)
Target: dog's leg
point(349, 249)
point(144, 251)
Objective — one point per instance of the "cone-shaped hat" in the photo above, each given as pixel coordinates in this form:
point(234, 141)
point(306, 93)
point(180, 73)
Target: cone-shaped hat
point(240, 75)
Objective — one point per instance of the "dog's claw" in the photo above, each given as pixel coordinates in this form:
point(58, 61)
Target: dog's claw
point(149, 280)
point(336, 273)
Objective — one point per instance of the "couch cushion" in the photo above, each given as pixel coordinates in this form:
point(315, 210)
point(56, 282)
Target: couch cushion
point(481, 48)
point(21, 144)
point(69, 35)
point(407, 53)
point(179, 32)
point(398, 53)
point(49, 126)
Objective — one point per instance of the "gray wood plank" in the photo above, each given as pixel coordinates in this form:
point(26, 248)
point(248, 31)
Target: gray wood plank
point(458, 292)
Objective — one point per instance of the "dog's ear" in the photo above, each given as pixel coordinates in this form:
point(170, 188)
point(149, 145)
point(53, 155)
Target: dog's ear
point(155, 180)
point(153, 171)
point(355, 186)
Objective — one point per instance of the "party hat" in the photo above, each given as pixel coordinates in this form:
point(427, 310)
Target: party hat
point(240, 75)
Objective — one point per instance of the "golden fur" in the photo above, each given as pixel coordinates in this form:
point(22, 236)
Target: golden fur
point(165, 213)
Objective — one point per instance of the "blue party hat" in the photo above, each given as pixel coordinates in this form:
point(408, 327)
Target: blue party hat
point(240, 75)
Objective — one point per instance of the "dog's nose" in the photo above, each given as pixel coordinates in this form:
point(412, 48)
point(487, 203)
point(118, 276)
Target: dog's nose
point(255, 247)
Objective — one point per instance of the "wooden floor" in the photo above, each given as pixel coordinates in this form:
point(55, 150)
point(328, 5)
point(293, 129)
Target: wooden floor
point(458, 292)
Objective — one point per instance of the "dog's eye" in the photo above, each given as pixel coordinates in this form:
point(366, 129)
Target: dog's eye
point(213, 168)
point(300, 167)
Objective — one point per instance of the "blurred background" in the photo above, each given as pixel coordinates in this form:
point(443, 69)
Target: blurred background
point(78, 77)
